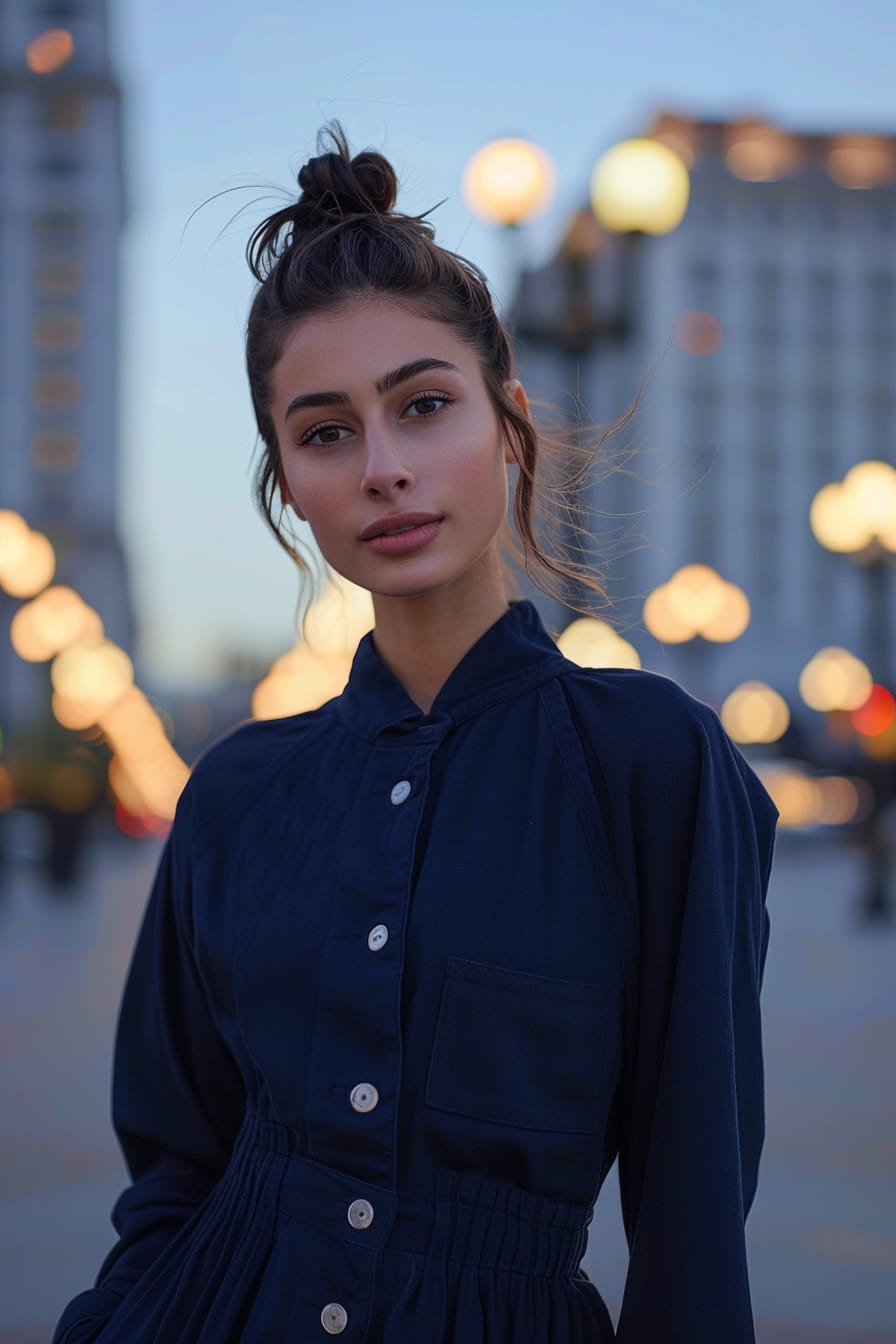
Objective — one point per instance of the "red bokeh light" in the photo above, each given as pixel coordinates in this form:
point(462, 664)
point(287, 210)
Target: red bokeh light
point(697, 333)
point(876, 714)
point(142, 827)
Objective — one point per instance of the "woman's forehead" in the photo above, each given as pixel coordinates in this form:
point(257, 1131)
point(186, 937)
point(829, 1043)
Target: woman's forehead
point(370, 336)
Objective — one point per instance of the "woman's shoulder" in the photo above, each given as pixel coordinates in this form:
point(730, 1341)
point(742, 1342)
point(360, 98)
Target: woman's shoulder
point(640, 711)
point(653, 741)
point(231, 773)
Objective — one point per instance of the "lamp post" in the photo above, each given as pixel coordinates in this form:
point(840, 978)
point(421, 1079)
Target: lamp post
point(507, 182)
point(857, 517)
point(638, 187)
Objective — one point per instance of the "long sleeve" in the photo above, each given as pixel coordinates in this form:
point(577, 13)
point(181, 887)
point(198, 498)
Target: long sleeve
point(177, 1096)
point(693, 1118)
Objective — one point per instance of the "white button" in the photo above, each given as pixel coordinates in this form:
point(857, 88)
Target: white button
point(334, 1318)
point(400, 791)
point(377, 937)
point(364, 1097)
point(360, 1213)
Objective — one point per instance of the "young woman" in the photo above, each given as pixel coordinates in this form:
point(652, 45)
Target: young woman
point(418, 966)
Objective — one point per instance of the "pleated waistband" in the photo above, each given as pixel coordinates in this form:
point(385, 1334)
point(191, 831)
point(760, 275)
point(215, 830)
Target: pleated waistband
point(470, 1219)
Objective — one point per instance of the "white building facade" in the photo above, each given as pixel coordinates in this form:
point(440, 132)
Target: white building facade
point(789, 244)
point(61, 214)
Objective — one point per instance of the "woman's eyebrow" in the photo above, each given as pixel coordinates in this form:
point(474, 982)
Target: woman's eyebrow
point(383, 385)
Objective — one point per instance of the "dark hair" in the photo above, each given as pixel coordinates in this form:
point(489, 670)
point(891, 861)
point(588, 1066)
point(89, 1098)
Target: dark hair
point(343, 239)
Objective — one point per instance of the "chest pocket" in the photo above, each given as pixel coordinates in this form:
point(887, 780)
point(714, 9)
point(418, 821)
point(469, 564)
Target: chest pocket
point(520, 1049)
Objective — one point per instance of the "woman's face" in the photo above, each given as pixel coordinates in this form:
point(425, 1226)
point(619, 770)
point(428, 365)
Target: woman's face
point(378, 412)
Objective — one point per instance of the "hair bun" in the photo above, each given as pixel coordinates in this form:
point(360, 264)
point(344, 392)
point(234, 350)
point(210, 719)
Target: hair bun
point(336, 183)
point(334, 186)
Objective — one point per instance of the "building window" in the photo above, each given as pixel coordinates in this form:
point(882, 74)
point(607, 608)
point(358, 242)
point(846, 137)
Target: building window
point(59, 330)
point(55, 391)
point(58, 273)
point(766, 327)
point(54, 449)
point(58, 165)
point(880, 300)
point(59, 9)
point(60, 225)
point(821, 308)
point(64, 112)
point(703, 285)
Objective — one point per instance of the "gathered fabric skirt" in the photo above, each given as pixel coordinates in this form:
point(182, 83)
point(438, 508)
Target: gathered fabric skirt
point(287, 1251)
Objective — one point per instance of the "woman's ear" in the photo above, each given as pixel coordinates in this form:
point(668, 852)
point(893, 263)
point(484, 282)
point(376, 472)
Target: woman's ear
point(518, 392)
point(287, 499)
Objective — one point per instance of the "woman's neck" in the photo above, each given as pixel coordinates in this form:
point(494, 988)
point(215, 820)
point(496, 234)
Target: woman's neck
point(422, 639)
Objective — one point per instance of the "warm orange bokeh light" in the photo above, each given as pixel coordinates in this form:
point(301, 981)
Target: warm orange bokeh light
point(876, 714)
point(509, 180)
point(49, 51)
point(834, 679)
point(35, 569)
point(754, 712)
point(15, 541)
point(56, 618)
point(697, 601)
point(7, 792)
point(594, 643)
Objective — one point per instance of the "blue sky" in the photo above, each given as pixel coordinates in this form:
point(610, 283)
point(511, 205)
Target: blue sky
point(217, 96)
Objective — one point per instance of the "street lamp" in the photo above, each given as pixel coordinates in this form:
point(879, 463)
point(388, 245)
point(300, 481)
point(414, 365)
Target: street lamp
point(857, 517)
point(696, 608)
point(507, 182)
point(638, 187)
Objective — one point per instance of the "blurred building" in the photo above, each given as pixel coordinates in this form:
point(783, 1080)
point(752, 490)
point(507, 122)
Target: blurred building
point(61, 213)
point(767, 324)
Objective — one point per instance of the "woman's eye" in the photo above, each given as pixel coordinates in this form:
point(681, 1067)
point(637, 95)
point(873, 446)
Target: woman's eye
point(428, 401)
point(319, 430)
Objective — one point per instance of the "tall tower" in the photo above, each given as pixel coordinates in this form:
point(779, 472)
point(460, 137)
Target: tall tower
point(785, 258)
point(61, 214)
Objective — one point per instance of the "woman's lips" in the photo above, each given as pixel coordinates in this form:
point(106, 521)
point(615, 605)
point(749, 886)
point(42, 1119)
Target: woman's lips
point(402, 543)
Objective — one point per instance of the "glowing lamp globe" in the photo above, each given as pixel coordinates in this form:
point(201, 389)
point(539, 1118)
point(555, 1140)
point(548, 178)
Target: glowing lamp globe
point(640, 185)
point(508, 181)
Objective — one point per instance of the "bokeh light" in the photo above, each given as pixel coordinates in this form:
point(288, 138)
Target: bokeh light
point(34, 570)
point(834, 679)
point(49, 51)
point(50, 622)
point(7, 791)
point(640, 184)
point(849, 515)
point(697, 333)
point(593, 643)
point(696, 601)
point(94, 670)
point(754, 712)
point(339, 618)
point(15, 542)
point(758, 152)
point(508, 181)
point(299, 681)
point(876, 714)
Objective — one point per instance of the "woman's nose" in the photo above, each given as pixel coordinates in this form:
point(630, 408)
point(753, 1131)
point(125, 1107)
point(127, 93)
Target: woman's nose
point(385, 469)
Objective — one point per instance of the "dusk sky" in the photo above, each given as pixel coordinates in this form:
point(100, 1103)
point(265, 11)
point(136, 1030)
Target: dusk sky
point(219, 97)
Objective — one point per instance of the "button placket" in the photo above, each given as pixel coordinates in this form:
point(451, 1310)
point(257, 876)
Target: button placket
point(364, 1097)
point(360, 1213)
point(377, 937)
point(334, 1318)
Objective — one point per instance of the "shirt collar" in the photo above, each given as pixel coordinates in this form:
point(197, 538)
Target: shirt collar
point(513, 654)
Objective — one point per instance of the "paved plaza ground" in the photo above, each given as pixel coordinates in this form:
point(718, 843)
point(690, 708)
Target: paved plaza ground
point(822, 1233)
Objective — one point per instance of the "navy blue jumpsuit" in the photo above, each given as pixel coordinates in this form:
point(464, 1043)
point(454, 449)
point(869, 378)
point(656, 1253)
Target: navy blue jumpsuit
point(405, 987)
